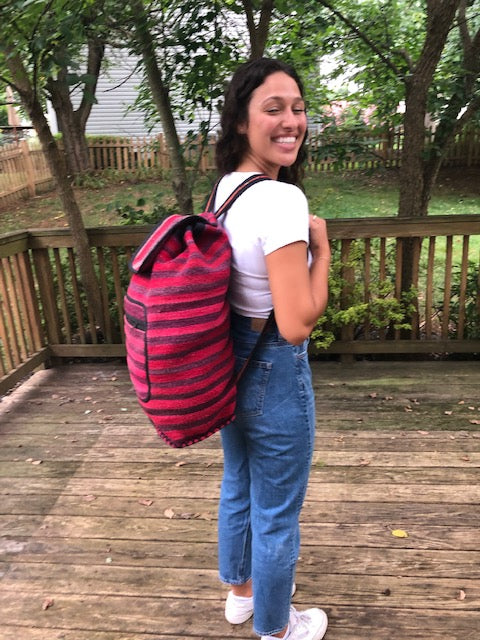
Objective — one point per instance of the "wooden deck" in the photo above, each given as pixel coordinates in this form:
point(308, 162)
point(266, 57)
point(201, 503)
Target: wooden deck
point(107, 534)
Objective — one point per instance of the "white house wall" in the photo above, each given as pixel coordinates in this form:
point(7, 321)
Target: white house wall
point(117, 90)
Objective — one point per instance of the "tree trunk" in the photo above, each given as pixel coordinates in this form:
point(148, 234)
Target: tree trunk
point(258, 33)
point(463, 95)
point(33, 106)
point(72, 123)
point(180, 182)
point(440, 15)
point(73, 138)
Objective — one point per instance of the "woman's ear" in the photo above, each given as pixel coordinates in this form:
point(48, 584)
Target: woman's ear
point(242, 128)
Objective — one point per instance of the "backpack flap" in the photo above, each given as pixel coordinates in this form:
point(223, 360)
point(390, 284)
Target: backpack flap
point(176, 224)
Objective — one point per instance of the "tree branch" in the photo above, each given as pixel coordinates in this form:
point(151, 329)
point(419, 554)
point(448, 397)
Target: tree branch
point(258, 33)
point(96, 50)
point(470, 111)
point(363, 36)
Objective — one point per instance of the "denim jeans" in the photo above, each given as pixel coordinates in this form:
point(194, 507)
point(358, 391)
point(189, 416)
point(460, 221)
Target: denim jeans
point(267, 457)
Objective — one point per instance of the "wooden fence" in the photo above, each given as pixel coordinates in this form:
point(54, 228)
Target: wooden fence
point(44, 314)
point(23, 168)
point(23, 171)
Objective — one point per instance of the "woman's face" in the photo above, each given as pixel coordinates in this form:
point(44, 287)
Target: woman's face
point(276, 125)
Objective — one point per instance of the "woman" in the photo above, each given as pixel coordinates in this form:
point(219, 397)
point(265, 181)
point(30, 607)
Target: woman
point(268, 448)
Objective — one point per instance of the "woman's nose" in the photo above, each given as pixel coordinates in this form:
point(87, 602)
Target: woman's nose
point(290, 120)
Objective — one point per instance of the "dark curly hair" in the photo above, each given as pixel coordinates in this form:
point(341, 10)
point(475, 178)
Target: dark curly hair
point(232, 145)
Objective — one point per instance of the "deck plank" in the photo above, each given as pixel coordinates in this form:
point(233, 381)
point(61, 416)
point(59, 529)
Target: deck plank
point(100, 517)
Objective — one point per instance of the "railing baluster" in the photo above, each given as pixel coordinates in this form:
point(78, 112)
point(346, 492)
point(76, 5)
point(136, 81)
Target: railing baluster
point(447, 289)
point(463, 288)
point(429, 288)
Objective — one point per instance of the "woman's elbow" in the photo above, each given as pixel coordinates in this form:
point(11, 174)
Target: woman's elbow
point(295, 335)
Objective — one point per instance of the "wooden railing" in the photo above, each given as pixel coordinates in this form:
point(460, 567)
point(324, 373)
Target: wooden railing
point(43, 312)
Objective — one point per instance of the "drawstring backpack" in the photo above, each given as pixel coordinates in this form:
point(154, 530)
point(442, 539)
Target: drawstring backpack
point(177, 324)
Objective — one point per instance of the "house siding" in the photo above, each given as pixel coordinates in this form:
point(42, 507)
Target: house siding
point(116, 91)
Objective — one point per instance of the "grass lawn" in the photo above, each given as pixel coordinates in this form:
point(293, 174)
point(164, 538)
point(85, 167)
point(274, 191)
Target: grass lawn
point(331, 195)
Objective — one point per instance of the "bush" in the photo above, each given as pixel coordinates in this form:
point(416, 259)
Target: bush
point(381, 313)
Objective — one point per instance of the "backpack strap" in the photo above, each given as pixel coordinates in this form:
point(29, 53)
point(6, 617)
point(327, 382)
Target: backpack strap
point(248, 182)
point(266, 327)
point(243, 186)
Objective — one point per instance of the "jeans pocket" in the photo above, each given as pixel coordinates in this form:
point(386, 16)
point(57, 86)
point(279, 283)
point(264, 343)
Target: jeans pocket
point(252, 387)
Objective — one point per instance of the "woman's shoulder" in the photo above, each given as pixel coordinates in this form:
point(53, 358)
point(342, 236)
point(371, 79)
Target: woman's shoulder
point(271, 189)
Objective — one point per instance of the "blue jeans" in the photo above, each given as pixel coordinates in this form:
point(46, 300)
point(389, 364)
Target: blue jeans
point(267, 457)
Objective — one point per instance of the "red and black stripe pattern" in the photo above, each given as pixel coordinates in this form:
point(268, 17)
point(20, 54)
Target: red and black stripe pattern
point(177, 325)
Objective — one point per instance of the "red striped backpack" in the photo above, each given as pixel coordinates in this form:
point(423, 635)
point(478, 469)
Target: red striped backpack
point(177, 324)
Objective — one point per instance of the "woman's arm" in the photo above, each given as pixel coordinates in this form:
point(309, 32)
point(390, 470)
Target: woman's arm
point(300, 293)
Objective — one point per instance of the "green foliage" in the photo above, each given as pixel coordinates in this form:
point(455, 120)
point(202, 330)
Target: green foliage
point(138, 214)
point(471, 306)
point(345, 142)
point(378, 313)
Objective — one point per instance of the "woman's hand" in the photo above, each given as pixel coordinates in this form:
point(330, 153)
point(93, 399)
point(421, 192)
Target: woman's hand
point(319, 245)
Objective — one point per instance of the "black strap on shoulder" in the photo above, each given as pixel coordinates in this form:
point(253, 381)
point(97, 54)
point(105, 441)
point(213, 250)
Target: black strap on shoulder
point(242, 187)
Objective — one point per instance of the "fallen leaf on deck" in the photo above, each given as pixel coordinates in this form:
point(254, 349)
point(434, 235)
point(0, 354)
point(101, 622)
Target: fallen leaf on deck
point(169, 513)
point(474, 421)
point(448, 413)
point(399, 533)
point(372, 395)
point(47, 603)
point(407, 409)
point(89, 498)
point(461, 595)
point(423, 433)
point(37, 462)
point(180, 464)
point(146, 503)
point(363, 462)
point(466, 459)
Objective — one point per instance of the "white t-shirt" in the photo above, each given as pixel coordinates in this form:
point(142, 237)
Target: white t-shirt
point(268, 216)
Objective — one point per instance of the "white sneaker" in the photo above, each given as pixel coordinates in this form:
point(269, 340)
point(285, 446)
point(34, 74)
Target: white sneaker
point(239, 609)
point(306, 625)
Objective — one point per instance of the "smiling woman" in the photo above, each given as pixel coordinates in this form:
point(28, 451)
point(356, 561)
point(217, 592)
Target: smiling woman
point(280, 259)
